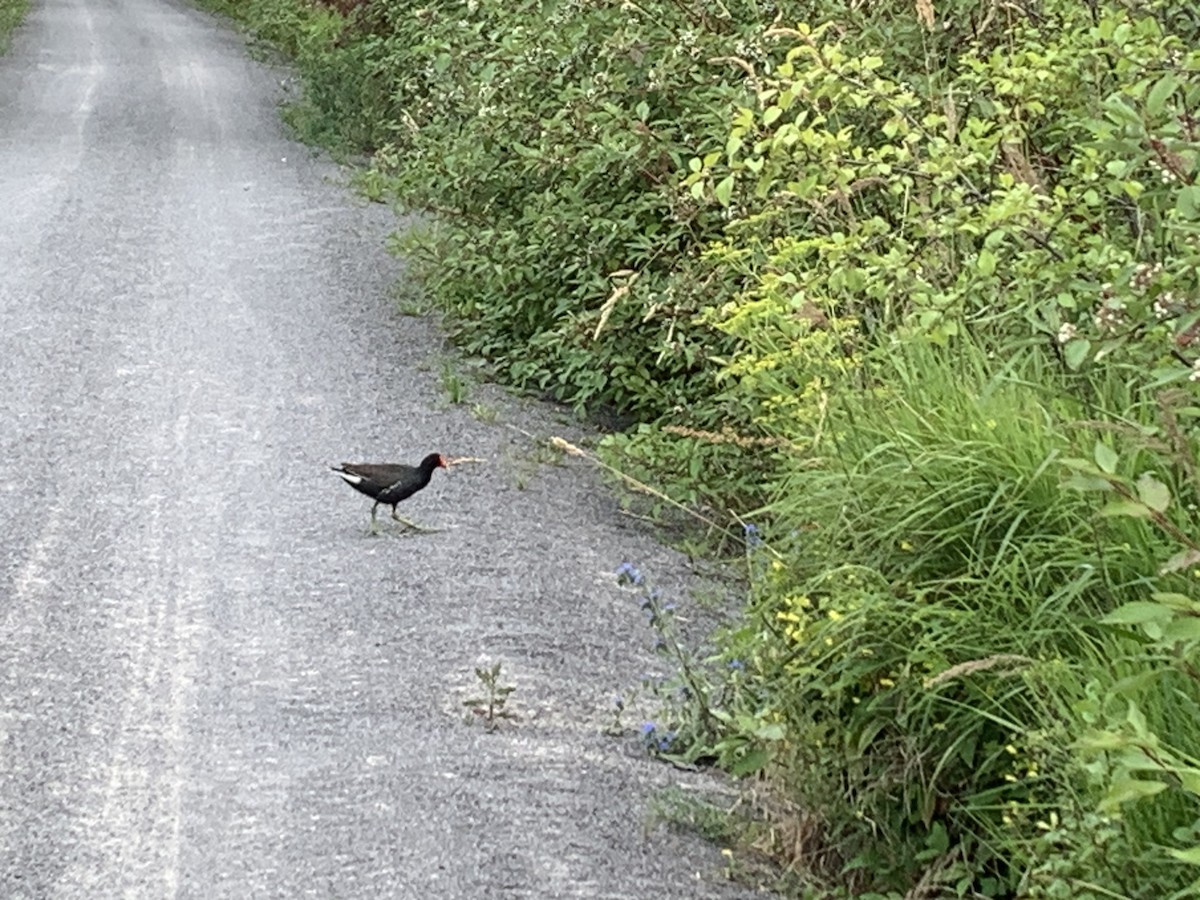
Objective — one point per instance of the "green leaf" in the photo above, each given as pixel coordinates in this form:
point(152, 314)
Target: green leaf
point(1189, 779)
point(1076, 351)
point(1159, 94)
point(986, 262)
point(1187, 201)
point(1102, 741)
point(1135, 717)
point(771, 114)
point(749, 763)
point(1106, 457)
point(1179, 602)
point(866, 737)
point(1134, 686)
point(1135, 759)
point(1190, 855)
point(1153, 493)
point(724, 190)
point(1127, 790)
point(1130, 508)
point(1080, 481)
point(1137, 613)
point(938, 841)
point(1182, 630)
point(773, 731)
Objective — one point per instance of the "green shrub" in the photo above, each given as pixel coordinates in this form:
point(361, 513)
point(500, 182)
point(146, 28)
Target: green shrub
point(546, 141)
point(953, 328)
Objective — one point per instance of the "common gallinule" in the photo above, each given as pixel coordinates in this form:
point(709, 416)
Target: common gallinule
point(389, 483)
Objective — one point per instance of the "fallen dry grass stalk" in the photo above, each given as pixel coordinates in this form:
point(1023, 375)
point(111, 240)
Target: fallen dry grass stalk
point(571, 450)
point(970, 667)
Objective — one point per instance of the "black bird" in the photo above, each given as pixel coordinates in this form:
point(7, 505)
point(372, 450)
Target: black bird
point(389, 483)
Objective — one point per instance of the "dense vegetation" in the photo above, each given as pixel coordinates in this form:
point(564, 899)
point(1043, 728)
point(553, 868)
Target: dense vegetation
point(913, 289)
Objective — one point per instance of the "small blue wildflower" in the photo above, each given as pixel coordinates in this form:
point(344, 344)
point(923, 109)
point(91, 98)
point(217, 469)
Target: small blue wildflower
point(648, 728)
point(670, 607)
point(753, 536)
point(737, 665)
point(627, 573)
point(619, 702)
point(665, 742)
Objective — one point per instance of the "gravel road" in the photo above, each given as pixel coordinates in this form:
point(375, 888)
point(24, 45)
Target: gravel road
point(213, 684)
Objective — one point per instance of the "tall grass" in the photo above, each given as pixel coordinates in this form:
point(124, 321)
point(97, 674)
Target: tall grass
point(931, 637)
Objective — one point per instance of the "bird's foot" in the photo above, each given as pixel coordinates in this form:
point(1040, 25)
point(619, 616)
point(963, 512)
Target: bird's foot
point(409, 523)
point(414, 528)
point(411, 526)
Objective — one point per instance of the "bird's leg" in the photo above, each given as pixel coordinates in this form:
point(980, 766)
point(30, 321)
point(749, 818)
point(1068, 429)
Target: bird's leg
point(409, 523)
point(374, 529)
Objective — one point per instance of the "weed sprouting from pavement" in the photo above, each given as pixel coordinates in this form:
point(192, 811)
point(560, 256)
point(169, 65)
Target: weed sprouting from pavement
point(453, 384)
point(620, 703)
point(657, 738)
point(485, 413)
point(708, 709)
point(492, 706)
point(684, 695)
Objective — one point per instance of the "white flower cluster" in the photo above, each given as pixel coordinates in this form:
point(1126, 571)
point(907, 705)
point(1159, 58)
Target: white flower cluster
point(1165, 175)
point(1143, 276)
point(1165, 305)
point(1110, 316)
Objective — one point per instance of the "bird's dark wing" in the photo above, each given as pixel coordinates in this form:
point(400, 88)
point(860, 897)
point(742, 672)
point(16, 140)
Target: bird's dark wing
point(381, 475)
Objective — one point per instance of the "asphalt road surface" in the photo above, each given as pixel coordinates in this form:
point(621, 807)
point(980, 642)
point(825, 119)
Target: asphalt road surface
point(212, 682)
